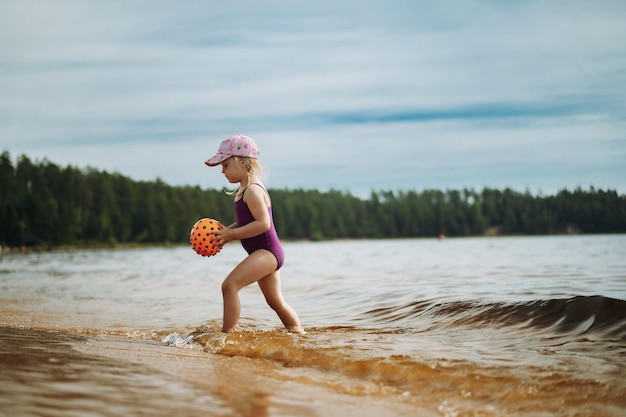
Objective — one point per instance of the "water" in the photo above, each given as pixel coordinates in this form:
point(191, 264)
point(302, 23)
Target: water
point(481, 327)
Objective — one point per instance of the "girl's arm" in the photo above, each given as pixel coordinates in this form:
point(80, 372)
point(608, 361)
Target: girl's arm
point(255, 198)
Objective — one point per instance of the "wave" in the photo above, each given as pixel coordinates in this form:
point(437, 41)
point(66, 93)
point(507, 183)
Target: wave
point(327, 350)
point(417, 350)
point(395, 360)
point(603, 317)
point(580, 314)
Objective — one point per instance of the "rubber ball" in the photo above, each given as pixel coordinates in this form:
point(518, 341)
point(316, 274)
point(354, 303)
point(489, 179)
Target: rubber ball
point(203, 239)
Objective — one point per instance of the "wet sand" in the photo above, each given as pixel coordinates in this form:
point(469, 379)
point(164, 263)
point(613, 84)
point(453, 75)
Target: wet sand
point(48, 373)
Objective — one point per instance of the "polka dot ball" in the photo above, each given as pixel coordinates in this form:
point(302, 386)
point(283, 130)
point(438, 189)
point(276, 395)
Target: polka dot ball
point(202, 237)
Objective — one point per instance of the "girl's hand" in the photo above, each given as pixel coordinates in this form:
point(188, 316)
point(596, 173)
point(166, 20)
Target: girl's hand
point(225, 235)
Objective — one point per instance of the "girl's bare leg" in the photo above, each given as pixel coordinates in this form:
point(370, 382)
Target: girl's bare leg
point(256, 266)
point(270, 285)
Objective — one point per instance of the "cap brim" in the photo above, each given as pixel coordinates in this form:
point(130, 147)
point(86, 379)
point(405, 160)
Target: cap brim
point(216, 160)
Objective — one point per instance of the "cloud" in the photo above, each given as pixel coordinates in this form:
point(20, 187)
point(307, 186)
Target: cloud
point(474, 93)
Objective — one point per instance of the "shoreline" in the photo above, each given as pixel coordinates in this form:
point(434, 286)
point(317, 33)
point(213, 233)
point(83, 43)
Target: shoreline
point(117, 376)
point(13, 250)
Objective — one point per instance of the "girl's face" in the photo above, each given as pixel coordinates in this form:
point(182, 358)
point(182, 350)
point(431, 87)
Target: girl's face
point(233, 170)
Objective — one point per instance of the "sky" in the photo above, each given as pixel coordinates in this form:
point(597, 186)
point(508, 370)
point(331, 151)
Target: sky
point(356, 96)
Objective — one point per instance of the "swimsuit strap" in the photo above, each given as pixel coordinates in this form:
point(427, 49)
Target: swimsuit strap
point(240, 195)
point(255, 183)
point(262, 187)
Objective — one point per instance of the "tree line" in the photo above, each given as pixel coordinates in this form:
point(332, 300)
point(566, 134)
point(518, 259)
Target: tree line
point(45, 205)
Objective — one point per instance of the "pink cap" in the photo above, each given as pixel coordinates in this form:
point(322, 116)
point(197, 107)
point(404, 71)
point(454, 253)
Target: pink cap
point(236, 145)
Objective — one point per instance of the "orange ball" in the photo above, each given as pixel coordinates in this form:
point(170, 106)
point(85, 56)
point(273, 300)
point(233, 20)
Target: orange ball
point(202, 237)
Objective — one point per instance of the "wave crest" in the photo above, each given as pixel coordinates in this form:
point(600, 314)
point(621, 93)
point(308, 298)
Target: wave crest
point(581, 314)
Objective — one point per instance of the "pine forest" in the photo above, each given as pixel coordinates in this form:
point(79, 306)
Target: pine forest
point(43, 205)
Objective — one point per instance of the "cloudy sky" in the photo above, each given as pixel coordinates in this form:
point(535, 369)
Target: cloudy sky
point(353, 95)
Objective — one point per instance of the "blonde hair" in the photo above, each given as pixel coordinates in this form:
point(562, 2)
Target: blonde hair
point(252, 167)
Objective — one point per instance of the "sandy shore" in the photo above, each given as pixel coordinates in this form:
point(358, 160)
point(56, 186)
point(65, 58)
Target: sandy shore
point(57, 374)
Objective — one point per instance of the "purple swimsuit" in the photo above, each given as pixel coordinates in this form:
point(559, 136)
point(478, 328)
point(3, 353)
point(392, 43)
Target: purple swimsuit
point(268, 240)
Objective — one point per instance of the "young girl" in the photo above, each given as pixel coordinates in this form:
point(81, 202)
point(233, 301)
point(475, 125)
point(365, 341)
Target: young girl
point(254, 227)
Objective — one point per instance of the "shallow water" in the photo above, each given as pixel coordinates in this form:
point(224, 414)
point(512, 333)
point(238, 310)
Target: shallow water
point(482, 326)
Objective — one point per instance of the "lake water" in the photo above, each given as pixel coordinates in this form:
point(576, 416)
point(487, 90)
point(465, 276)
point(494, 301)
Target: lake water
point(459, 327)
